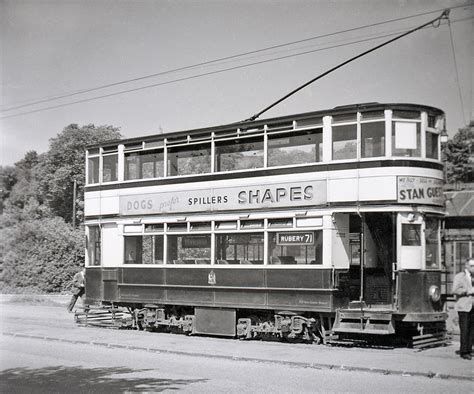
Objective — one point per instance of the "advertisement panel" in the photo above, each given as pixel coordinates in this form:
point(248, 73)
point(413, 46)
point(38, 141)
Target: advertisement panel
point(420, 190)
point(277, 195)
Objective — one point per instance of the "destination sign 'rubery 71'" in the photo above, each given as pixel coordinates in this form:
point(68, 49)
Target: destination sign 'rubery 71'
point(276, 195)
point(295, 239)
point(420, 190)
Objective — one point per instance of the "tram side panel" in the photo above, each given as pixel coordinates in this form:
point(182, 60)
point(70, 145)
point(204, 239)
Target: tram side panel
point(290, 289)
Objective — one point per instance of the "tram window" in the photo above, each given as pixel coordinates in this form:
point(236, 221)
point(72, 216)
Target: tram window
point(141, 165)
point(226, 225)
point(406, 114)
point(109, 168)
point(295, 148)
point(239, 154)
point(189, 249)
point(309, 222)
point(93, 170)
point(133, 249)
point(309, 122)
point(295, 248)
point(431, 121)
point(406, 139)
point(373, 139)
point(373, 115)
point(93, 245)
point(411, 234)
point(239, 248)
point(352, 117)
point(432, 242)
point(153, 228)
point(201, 226)
point(189, 159)
point(280, 222)
point(152, 249)
point(431, 145)
point(182, 227)
point(247, 224)
point(344, 142)
point(132, 166)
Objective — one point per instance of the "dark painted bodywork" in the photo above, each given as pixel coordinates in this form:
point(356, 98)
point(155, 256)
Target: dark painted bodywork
point(299, 290)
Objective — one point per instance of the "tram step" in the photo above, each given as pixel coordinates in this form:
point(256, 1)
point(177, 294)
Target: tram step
point(421, 342)
point(363, 322)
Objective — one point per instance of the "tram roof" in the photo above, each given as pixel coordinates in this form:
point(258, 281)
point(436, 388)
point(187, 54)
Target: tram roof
point(339, 110)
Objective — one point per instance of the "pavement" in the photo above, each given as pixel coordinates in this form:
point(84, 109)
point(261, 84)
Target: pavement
point(440, 362)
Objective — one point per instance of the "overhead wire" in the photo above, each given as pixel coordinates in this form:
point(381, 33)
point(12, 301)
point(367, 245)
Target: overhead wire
point(83, 91)
point(444, 15)
point(199, 75)
point(457, 73)
point(189, 78)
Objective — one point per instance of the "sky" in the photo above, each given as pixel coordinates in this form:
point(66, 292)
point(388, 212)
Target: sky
point(51, 48)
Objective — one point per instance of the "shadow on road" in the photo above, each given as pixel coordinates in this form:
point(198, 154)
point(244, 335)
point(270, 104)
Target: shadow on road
point(83, 380)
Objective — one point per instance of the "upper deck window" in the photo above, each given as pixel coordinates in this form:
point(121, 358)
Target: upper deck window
point(109, 168)
point(239, 154)
point(93, 170)
point(373, 139)
point(406, 139)
point(189, 159)
point(142, 165)
point(400, 114)
point(344, 142)
point(295, 148)
point(432, 145)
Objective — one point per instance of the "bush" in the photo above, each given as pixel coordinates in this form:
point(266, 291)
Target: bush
point(41, 254)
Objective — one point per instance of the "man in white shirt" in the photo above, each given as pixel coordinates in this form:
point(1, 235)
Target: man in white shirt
point(463, 291)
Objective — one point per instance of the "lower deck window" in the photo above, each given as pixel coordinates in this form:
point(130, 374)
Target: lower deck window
point(432, 240)
point(189, 249)
point(239, 248)
point(411, 234)
point(295, 247)
point(133, 250)
point(93, 245)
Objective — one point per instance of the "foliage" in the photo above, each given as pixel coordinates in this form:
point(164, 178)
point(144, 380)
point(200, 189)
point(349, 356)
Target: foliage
point(64, 163)
point(7, 181)
point(41, 253)
point(459, 153)
point(40, 249)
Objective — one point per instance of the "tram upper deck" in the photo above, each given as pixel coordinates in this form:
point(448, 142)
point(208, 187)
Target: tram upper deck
point(366, 154)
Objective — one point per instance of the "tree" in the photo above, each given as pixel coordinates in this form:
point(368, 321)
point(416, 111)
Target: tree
point(459, 153)
point(7, 181)
point(64, 163)
point(41, 250)
point(41, 254)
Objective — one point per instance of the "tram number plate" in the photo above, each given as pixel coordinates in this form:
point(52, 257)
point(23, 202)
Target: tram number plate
point(289, 239)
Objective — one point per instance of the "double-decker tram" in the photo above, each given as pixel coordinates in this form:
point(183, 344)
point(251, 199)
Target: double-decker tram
point(303, 226)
